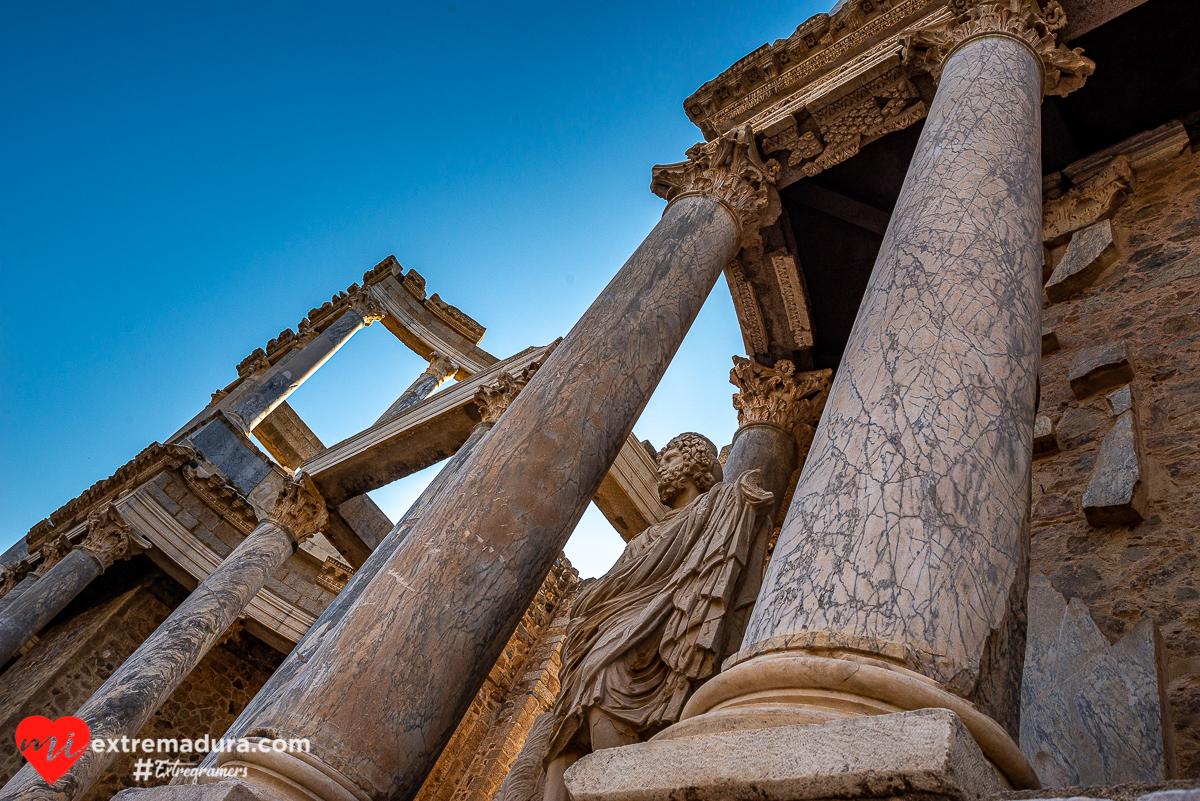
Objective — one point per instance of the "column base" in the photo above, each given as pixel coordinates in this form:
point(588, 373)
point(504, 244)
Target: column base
point(223, 790)
point(289, 776)
point(789, 688)
point(905, 755)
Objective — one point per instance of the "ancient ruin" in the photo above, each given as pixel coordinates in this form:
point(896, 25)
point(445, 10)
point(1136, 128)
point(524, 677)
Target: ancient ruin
point(950, 552)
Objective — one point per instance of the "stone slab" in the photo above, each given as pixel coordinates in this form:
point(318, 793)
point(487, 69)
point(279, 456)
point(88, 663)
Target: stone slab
point(1045, 441)
point(1099, 368)
point(1092, 713)
point(1116, 493)
point(904, 755)
point(1091, 251)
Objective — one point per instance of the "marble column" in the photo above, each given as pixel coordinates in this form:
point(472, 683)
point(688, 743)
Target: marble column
point(133, 693)
point(17, 578)
point(287, 376)
point(900, 575)
point(491, 404)
point(459, 584)
point(440, 368)
point(778, 410)
point(65, 573)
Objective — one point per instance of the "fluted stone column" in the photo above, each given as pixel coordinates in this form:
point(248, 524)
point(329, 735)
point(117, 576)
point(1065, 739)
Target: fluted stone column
point(899, 578)
point(459, 584)
point(491, 399)
point(65, 573)
point(440, 368)
point(134, 692)
point(287, 377)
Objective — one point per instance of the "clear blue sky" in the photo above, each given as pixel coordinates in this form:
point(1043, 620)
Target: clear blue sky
point(180, 182)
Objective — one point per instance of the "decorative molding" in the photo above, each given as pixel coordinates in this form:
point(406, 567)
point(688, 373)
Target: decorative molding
point(299, 509)
point(151, 460)
point(1064, 69)
point(728, 170)
point(307, 332)
point(109, 536)
point(334, 575)
point(795, 300)
point(360, 300)
point(779, 395)
point(745, 304)
point(799, 146)
point(454, 317)
point(414, 284)
point(495, 396)
point(1096, 200)
point(222, 497)
point(254, 365)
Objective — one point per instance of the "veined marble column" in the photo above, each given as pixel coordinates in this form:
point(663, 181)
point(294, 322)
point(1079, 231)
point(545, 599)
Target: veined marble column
point(459, 584)
point(69, 571)
point(899, 578)
point(15, 580)
point(492, 399)
point(287, 376)
point(778, 410)
point(132, 694)
point(440, 368)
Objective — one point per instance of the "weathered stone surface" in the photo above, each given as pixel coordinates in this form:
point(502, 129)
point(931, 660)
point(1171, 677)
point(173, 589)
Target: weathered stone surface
point(226, 790)
point(1100, 367)
point(1045, 442)
point(44, 599)
point(1050, 343)
point(1090, 253)
point(922, 754)
point(232, 453)
point(905, 536)
point(1116, 495)
point(1120, 400)
point(1091, 713)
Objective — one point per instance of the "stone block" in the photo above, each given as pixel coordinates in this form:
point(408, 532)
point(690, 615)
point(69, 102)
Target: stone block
point(1050, 342)
point(918, 754)
point(1120, 400)
point(1090, 253)
point(232, 453)
point(1092, 713)
point(1099, 368)
point(1045, 443)
point(1116, 493)
point(230, 790)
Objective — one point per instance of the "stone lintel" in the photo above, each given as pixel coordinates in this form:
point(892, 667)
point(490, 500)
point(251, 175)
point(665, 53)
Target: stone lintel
point(919, 755)
point(1100, 368)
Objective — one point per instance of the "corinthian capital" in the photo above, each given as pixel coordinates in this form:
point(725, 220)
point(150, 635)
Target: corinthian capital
point(361, 301)
point(12, 575)
point(109, 537)
point(440, 367)
point(778, 394)
point(299, 509)
point(727, 169)
point(53, 552)
point(1064, 69)
point(494, 396)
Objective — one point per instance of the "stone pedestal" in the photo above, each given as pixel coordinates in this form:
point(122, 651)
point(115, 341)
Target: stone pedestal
point(123, 704)
point(459, 584)
point(109, 538)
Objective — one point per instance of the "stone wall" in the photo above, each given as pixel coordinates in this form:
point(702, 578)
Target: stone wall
point(522, 684)
point(1148, 298)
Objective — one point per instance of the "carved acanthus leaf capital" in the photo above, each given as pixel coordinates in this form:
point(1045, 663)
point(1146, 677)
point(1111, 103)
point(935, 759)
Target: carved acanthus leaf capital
point(1065, 69)
point(441, 367)
point(361, 301)
point(495, 395)
point(727, 169)
point(53, 552)
point(778, 394)
point(109, 536)
point(12, 575)
point(1085, 205)
point(300, 508)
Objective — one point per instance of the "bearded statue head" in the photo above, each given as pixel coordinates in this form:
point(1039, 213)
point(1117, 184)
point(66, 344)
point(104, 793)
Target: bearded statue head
point(687, 458)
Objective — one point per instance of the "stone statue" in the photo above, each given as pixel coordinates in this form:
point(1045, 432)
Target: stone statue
point(647, 634)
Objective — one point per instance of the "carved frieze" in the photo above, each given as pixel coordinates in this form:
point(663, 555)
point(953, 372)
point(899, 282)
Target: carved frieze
point(1096, 200)
point(109, 536)
point(299, 509)
point(745, 303)
point(222, 497)
point(306, 332)
point(1065, 69)
point(727, 169)
point(795, 302)
point(454, 317)
point(254, 365)
point(779, 395)
point(334, 575)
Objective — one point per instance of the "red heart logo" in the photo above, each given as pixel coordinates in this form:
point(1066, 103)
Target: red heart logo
point(50, 745)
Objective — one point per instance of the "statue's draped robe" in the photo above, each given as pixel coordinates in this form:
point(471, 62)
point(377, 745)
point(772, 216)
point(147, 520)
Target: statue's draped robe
point(646, 634)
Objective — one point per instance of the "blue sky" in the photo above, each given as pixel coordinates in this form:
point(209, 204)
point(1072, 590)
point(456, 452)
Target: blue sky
point(180, 182)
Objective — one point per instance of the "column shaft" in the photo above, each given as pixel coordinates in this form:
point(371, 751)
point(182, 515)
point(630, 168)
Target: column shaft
point(905, 543)
point(123, 704)
point(302, 653)
point(287, 376)
point(42, 600)
point(10, 597)
point(461, 581)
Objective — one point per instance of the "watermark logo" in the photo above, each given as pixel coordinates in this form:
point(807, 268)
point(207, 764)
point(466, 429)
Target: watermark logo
point(52, 746)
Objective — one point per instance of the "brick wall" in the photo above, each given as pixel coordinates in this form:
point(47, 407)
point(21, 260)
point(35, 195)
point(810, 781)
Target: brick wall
point(1150, 299)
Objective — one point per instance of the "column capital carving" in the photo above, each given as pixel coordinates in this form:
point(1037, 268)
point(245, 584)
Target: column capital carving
point(12, 575)
point(441, 367)
point(254, 365)
point(1064, 69)
point(360, 299)
point(729, 170)
point(299, 509)
point(52, 553)
point(305, 332)
point(778, 395)
point(496, 394)
point(109, 536)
